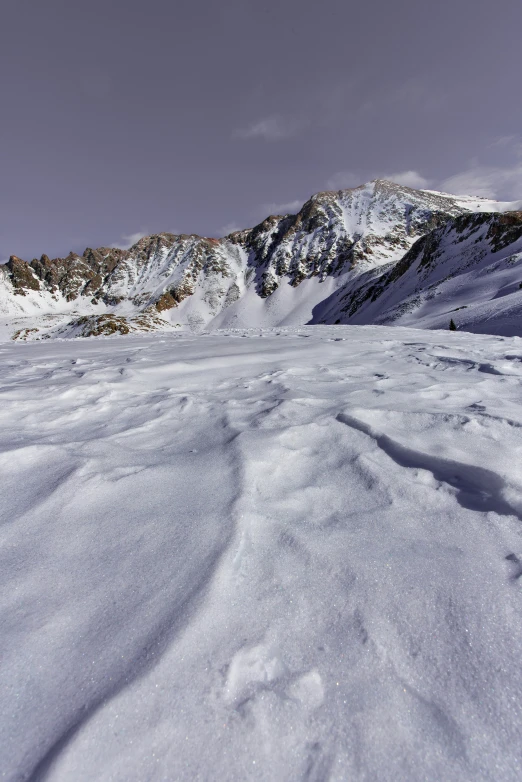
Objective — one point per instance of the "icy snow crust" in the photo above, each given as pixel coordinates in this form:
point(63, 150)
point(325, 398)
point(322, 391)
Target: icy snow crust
point(287, 554)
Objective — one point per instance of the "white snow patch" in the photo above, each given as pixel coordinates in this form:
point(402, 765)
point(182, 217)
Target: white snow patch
point(288, 554)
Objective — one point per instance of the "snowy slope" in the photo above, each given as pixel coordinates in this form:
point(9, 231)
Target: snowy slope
point(263, 555)
point(290, 269)
point(469, 270)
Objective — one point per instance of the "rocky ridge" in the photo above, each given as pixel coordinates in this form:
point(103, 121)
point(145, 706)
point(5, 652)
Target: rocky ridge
point(473, 261)
point(340, 250)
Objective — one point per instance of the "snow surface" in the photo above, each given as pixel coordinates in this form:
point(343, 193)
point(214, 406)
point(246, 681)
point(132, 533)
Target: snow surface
point(469, 280)
point(288, 554)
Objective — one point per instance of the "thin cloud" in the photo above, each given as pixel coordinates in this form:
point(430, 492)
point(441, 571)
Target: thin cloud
point(229, 228)
point(343, 179)
point(409, 179)
point(504, 141)
point(289, 207)
point(347, 179)
point(513, 143)
point(501, 182)
point(127, 240)
point(273, 128)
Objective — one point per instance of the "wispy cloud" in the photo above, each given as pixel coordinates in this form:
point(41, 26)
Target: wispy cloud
point(288, 207)
point(273, 128)
point(409, 179)
point(127, 240)
point(263, 211)
point(347, 179)
point(501, 179)
point(343, 179)
point(229, 228)
point(513, 143)
point(504, 182)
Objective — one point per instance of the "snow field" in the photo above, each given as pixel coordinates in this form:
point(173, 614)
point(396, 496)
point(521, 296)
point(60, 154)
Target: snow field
point(284, 554)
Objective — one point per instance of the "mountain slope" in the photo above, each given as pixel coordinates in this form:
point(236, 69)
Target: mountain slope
point(469, 270)
point(288, 270)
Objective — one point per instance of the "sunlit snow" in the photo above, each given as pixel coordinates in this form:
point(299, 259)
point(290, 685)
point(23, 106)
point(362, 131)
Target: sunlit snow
point(288, 554)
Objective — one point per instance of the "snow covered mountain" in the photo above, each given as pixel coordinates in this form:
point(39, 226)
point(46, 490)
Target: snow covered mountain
point(317, 266)
point(469, 270)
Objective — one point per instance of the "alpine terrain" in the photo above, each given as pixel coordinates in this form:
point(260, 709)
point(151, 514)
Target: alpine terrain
point(279, 539)
point(379, 253)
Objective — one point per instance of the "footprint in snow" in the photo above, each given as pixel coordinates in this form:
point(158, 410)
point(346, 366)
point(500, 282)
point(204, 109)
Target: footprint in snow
point(250, 670)
point(517, 569)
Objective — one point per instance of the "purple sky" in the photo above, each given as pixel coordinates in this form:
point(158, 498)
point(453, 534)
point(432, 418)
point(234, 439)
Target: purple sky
point(121, 117)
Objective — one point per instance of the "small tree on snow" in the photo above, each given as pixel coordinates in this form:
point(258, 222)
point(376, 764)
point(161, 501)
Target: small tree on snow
point(452, 326)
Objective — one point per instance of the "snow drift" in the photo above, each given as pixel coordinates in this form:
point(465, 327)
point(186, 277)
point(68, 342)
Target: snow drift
point(268, 555)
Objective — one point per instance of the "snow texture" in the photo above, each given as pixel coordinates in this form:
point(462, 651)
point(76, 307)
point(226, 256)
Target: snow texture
point(288, 554)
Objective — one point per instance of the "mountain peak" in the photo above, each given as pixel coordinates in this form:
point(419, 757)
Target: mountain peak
point(340, 238)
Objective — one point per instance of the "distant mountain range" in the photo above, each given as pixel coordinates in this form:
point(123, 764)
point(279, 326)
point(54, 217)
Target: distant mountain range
point(379, 253)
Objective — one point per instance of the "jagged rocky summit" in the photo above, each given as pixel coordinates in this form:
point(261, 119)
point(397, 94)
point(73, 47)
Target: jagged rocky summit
point(378, 253)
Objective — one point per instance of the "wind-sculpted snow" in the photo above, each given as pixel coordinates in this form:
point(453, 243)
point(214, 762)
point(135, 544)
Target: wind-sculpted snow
point(288, 554)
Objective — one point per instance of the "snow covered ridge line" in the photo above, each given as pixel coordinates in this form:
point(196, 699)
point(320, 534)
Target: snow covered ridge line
point(469, 270)
point(322, 265)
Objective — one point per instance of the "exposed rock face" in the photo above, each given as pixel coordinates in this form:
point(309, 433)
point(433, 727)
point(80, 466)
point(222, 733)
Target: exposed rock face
point(22, 276)
point(332, 232)
point(474, 260)
point(340, 230)
point(355, 238)
point(108, 325)
point(505, 229)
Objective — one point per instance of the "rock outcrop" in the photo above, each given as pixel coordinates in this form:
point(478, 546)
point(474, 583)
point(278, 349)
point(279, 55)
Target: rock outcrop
point(341, 250)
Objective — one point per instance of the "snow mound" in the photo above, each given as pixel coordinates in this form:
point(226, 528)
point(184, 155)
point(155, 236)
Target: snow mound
point(288, 554)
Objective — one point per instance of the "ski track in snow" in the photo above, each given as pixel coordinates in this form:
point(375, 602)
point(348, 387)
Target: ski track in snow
point(287, 554)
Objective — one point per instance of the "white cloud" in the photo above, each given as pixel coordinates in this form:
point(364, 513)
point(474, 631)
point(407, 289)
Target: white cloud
point(343, 179)
point(487, 181)
point(127, 240)
point(347, 179)
point(512, 143)
point(271, 129)
point(504, 141)
point(409, 179)
point(290, 207)
point(229, 228)
point(501, 182)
